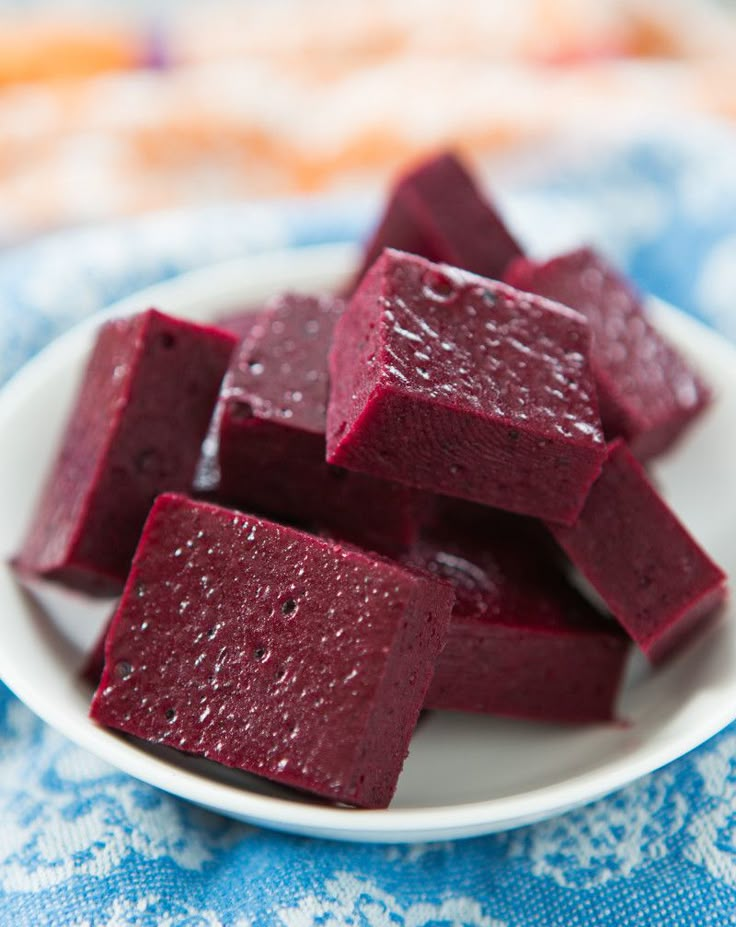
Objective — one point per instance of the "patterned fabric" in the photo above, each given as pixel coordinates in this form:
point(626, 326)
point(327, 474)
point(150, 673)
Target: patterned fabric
point(82, 845)
point(112, 106)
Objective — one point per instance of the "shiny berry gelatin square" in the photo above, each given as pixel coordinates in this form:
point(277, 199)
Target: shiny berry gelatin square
point(455, 384)
point(272, 651)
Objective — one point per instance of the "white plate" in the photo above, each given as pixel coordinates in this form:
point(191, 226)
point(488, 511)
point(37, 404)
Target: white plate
point(465, 775)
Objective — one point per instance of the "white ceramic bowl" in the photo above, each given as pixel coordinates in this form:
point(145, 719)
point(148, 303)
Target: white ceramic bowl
point(465, 774)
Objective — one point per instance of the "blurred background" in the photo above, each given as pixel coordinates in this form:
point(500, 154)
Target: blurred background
point(143, 138)
point(112, 107)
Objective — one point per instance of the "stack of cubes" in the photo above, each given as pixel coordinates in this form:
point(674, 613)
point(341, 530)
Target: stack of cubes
point(405, 478)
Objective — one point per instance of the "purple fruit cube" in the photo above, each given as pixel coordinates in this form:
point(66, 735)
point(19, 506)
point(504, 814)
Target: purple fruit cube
point(135, 431)
point(522, 641)
point(272, 420)
point(459, 385)
point(207, 477)
point(636, 554)
point(437, 211)
point(648, 393)
point(272, 651)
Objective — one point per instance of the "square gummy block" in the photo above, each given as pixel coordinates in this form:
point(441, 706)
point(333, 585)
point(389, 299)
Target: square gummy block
point(135, 431)
point(272, 419)
point(459, 385)
point(207, 476)
point(437, 211)
point(648, 393)
point(522, 641)
point(272, 651)
point(652, 575)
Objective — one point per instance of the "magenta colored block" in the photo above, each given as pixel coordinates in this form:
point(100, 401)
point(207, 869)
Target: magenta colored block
point(459, 385)
point(272, 651)
point(632, 548)
point(522, 641)
point(648, 392)
point(437, 211)
point(135, 431)
point(272, 417)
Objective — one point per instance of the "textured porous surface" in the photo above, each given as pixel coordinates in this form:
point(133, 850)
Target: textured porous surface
point(437, 211)
point(452, 383)
point(272, 651)
point(522, 641)
point(136, 430)
point(272, 419)
point(640, 559)
point(648, 392)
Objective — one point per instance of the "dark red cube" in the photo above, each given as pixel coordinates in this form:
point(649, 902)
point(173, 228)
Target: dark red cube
point(648, 392)
point(272, 420)
point(632, 548)
point(272, 651)
point(437, 211)
point(459, 385)
point(522, 641)
point(136, 431)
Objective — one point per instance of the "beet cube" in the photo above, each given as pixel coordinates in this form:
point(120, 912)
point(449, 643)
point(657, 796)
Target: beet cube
point(272, 417)
point(522, 641)
point(647, 391)
point(272, 651)
point(437, 211)
point(456, 384)
point(649, 571)
point(135, 431)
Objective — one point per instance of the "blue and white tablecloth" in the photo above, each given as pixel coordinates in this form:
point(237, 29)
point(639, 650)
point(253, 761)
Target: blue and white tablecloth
point(84, 845)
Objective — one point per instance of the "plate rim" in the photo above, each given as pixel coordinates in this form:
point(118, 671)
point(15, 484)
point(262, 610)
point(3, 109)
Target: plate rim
point(387, 825)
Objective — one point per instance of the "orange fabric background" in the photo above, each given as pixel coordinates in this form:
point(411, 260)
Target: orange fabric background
point(117, 111)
